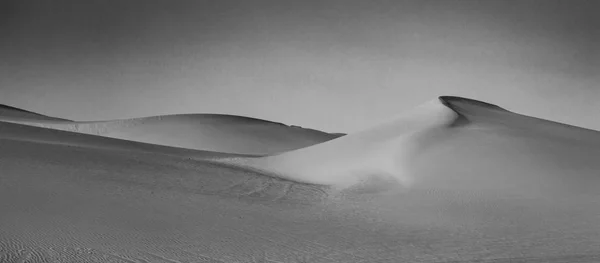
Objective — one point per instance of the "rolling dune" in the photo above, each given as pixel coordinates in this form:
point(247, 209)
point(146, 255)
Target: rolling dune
point(455, 180)
point(208, 132)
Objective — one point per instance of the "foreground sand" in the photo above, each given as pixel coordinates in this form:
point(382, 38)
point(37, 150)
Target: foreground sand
point(454, 181)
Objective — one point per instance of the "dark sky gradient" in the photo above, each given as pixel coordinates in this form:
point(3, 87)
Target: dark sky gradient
point(332, 65)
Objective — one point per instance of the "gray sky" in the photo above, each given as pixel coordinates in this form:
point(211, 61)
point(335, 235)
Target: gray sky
point(331, 65)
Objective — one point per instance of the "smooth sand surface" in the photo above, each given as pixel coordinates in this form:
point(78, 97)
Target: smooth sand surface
point(455, 180)
point(208, 132)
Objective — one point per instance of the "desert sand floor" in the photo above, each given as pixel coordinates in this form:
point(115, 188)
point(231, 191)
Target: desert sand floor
point(454, 181)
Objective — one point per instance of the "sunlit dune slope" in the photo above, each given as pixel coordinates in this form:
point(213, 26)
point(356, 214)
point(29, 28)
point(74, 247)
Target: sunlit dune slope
point(453, 143)
point(208, 132)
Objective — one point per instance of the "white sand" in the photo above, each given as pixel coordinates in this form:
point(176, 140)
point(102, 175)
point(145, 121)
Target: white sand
point(454, 181)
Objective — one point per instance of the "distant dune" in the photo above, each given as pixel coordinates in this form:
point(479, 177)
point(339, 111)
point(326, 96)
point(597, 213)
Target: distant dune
point(12, 113)
point(454, 180)
point(207, 132)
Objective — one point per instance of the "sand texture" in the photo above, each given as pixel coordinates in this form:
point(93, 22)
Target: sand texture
point(455, 180)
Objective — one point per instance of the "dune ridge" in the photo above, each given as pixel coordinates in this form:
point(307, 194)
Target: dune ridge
point(206, 132)
point(16, 114)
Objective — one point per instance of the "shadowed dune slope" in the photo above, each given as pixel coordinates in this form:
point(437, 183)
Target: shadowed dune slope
point(37, 135)
point(208, 132)
point(16, 114)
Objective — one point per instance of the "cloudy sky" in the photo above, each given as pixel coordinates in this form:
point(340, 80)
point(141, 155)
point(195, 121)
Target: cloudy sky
point(335, 65)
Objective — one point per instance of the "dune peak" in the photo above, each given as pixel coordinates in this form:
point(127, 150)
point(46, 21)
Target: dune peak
point(453, 101)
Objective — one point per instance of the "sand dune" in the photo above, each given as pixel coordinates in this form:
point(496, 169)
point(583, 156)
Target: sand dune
point(208, 132)
point(455, 180)
point(379, 150)
point(453, 143)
